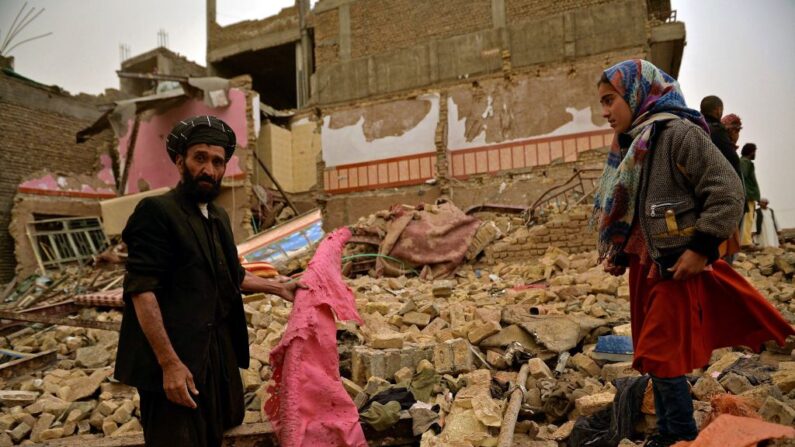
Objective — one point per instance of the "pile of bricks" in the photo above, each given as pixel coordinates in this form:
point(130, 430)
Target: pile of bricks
point(570, 231)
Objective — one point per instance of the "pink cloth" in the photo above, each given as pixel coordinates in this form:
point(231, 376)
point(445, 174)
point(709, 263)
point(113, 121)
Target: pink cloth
point(308, 405)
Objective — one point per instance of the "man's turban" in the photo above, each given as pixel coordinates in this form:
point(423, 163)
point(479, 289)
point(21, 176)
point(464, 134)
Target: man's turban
point(197, 130)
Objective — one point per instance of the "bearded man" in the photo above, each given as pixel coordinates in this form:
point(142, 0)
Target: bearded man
point(183, 334)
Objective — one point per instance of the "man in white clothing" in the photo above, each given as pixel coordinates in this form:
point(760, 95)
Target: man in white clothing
point(766, 226)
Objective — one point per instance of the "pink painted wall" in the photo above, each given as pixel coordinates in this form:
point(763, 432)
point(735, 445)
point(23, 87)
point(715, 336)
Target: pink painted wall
point(150, 160)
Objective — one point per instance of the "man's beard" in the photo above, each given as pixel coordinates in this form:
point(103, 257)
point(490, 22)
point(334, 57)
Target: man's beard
point(200, 192)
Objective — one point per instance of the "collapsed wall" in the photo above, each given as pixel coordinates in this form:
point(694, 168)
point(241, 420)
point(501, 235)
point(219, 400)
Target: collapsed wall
point(38, 124)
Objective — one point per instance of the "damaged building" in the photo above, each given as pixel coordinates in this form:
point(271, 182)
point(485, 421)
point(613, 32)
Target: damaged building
point(414, 100)
point(46, 175)
point(482, 320)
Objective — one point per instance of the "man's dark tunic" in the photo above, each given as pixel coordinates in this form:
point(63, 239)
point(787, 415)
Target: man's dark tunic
point(190, 263)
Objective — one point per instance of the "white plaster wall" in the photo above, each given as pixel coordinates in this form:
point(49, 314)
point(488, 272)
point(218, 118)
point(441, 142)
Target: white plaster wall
point(456, 127)
point(348, 144)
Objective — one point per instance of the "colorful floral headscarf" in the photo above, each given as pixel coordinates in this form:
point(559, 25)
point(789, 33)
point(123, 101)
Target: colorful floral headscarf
point(653, 97)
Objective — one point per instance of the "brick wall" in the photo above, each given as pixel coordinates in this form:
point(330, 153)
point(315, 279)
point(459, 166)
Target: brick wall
point(34, 138)
point(380, 26)
point(517, 11)
point(569, 231)
point(219, 37)
point(327, 29)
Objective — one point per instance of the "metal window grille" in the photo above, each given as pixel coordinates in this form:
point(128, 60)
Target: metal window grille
point(69, 240)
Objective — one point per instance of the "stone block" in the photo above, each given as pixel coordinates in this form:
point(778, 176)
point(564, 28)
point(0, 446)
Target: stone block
point(107, 407)
point(453, 357)
point(403, 375)
point(417, 318)
point(496, 359)
point(367, 362)
point(51, 433)
point(82, 387)
point(20, 432)
point(10, 398)
point(725, 361)
point(588, 405)
point(481, 331)
point(706, 387)
point(585, 364)
point(92, 356)
point(442, 288)
point(260, 353)
point(563, 432)
point(108, 427)
point(508, 335)
point(250, 417)
point(539, 369)
point(351, 387)
point(784, 380)
point(735, 383)
point(123, 414)
point(83, 426)
point(387, 340)
point(613, 371)
point(487, 314)
point(433, 328)
point(776, 411)
point(69, 428)
point(44, 422)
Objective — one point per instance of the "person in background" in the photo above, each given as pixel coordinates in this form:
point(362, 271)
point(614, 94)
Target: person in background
point(666, 200)
point(733, 125)
point(752, 194)
point(712, 109)
point(767, 230)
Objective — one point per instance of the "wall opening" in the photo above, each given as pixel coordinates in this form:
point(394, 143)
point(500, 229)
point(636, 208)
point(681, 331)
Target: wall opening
point(272, 70)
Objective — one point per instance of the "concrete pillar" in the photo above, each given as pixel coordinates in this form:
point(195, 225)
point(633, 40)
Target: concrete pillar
point(498, 13)
point(303, 56)
point(569, 36)
point(499, 22)
point(344, 14)
point(210, 24)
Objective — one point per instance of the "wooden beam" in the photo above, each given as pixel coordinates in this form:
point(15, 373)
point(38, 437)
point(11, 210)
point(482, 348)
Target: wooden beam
point(26, 364)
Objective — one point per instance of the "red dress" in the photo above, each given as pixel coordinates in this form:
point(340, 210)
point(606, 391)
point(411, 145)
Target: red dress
point(677, 324)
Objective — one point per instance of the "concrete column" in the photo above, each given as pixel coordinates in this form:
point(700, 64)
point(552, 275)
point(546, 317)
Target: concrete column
point(498, 13)
point(344, 14)
point(303, 57)
point(499, 22)
point(210, 23)
point(433, 59)
point(569, 36)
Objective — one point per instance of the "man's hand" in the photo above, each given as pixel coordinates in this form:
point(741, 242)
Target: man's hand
point(287, 288)
point(615, 270)
point(178, 384)
point(688, 265)
point(281, 286)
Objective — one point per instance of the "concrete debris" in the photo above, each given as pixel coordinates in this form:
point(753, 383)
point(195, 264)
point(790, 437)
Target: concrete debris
point(544, 306)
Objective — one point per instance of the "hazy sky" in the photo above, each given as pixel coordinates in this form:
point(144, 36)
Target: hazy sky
point(740, 50)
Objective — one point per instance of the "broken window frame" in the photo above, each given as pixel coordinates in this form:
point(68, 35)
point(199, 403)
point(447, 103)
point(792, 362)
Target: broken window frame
point(78, 240)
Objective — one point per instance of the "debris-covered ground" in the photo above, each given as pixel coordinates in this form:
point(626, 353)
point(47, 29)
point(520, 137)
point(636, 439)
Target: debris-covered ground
point(439, 358)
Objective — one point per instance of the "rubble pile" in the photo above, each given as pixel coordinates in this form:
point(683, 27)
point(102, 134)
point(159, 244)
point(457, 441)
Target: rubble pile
point(440, 359)
point(474, 332)
point(59, 286)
